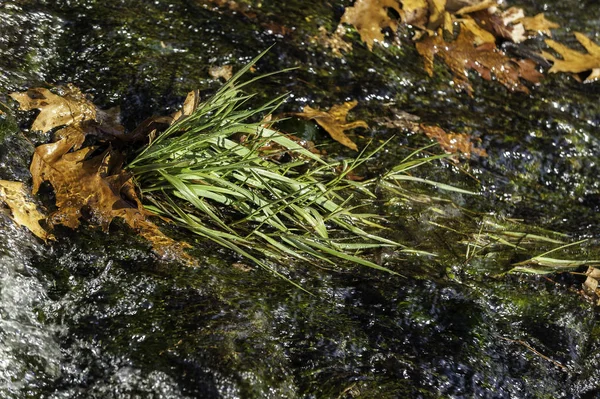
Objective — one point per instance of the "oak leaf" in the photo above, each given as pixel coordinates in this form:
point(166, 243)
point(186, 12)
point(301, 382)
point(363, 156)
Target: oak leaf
point(538, 23)
point(96, 188)
point(66, 109)
point(24, 211)
point(370, 17)
point(453, 143)
point(574, 61)
point(334, 121)
point(462, 55)
point(504, 23)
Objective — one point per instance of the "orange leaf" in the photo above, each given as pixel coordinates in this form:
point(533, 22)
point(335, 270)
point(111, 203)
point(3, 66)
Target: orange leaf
point(462, 55)
point(453, 143)
point(97, 189)
point(71, 109)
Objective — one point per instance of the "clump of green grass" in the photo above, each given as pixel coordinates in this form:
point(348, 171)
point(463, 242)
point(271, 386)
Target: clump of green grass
point(198, 174)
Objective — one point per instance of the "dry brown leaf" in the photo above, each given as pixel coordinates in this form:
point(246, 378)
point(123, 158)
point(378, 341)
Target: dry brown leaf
point(512, 15)
point(369, 17)
point(528, 70)
point(95, 188)
point(574, 61)
point(68, 108)
point(23, 209)
point(500, 24)
point(453, 143)
point(55, 110)
point(461, 55)
point(334, 121)
point(507, 24)
point(539, 23)
point(88, 186)
point(224, 71)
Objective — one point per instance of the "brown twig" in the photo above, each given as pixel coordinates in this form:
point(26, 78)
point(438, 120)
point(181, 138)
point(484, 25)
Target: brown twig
point(532, 349)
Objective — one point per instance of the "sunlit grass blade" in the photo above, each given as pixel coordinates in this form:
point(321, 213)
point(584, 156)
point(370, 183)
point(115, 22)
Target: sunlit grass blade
point(442, 186)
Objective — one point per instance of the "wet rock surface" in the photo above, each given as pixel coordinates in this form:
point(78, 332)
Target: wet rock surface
point(95, 315)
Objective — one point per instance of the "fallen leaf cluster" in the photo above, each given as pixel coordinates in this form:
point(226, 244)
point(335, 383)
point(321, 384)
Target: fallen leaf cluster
point(335, 124)
point(461, 55)
point(89, 183)
point(481, 25)
point(370, 17)
point(450, 142)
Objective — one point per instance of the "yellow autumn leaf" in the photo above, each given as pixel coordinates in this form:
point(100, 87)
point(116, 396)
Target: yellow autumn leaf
point(23, 210)
point(334, 121)
point(55, 110)
point(539, 23)
point(86, 185)
point(573, 61)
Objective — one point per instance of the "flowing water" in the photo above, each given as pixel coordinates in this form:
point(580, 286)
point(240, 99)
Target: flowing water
point(96, 315)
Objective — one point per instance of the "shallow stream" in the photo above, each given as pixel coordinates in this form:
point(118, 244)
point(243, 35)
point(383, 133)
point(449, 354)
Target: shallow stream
point(95, 315)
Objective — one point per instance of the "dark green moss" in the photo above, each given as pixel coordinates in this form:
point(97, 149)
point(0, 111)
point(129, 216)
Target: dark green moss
point(451, 328)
